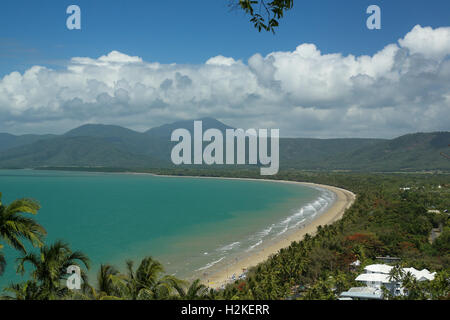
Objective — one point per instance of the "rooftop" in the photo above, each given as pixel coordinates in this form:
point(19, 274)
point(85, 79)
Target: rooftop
point(378, 268)
point(363, 293)
point(384, 269)
point(421, 275)
point(375, 277)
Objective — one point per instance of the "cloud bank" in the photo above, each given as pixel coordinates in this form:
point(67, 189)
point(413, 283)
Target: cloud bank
point(403, 88)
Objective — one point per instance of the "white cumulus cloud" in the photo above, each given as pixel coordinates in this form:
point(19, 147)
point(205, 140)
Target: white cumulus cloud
point(432, 43)
point(405, 87)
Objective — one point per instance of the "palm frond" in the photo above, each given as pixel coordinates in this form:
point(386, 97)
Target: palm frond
point(2, 262)
point(24, 205)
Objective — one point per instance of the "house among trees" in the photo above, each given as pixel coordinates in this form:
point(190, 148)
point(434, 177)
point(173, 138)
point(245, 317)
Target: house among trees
point(379, 276)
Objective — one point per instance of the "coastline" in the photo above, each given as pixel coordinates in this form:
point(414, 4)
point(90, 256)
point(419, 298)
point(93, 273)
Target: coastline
point(220, 275)
point(344, 199)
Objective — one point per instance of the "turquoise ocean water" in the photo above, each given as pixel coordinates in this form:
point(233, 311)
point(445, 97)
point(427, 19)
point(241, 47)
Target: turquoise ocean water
point(192, 225)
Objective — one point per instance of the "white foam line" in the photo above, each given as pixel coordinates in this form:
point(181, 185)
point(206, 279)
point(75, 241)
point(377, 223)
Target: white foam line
point(209, 265)
point(254, 246)
point(283, 231)
point(266, 231)
point(229, 246)
point(297, 224)
point(306, 212)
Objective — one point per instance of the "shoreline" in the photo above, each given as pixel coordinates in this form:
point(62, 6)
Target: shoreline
point(219, 277)
point(344, 199)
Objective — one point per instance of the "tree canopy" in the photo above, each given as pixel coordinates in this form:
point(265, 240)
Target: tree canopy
point(264, 14)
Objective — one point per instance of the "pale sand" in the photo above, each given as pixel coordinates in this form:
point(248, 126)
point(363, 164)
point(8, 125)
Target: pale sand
point(344, 199)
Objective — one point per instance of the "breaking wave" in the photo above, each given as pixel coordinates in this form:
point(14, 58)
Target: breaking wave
point(209, 265)
point(229, 246)
point(297, 219)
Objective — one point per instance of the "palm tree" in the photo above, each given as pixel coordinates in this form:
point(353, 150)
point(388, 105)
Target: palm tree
point(105, 279)
point(28, 290)
point(147, 282)
point(107, 287)
point(14, 226)
point(2, 261)
point(440, 287)
point(196, 290)
point(412, 288)
point(396, 274)
point(111, 285)
point(50, 267)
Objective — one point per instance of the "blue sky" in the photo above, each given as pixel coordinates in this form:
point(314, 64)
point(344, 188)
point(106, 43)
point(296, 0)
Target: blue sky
point(142, 63)
point(34, 32)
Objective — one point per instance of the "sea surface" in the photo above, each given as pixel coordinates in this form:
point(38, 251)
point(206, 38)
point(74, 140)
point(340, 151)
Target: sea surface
point(191, 225)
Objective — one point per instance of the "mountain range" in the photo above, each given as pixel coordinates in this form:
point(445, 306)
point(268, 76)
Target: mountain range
point(111, 146)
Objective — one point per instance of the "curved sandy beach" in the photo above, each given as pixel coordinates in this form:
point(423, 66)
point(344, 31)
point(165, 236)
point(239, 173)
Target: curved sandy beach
point(344, 199)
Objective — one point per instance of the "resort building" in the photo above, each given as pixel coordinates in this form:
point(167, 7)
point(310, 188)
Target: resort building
point(363, 293)
point(376, 276)
point(420, 275)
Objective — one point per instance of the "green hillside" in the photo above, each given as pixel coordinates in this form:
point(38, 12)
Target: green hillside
point(73, 151)
point(319, 154)
point(134, 142)
point(411, 152)
point(166, 130)
point(97, 145)
point(8, 141)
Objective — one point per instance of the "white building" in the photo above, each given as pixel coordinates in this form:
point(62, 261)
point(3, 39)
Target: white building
point(377, 275)
point(378, 268)
point(420, 275)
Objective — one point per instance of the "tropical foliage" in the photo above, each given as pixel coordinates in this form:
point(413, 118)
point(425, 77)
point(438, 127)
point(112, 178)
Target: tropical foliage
point(264, 15)
point(2, 261)
point(16, 227)
point(49, 270)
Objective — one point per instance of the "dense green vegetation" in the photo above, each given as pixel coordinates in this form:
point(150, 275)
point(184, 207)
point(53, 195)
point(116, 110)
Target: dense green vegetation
point(389, 217)
point(15, 226)
point(384, 220)
point(100, 146)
